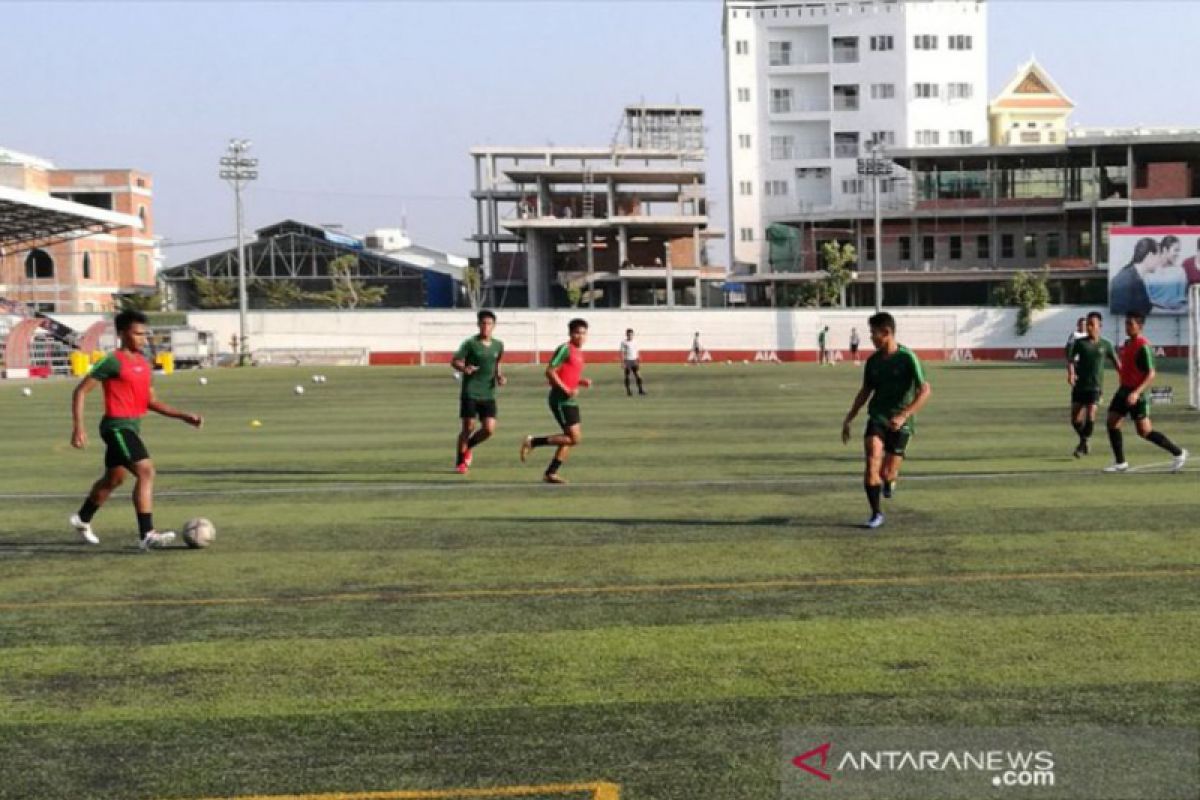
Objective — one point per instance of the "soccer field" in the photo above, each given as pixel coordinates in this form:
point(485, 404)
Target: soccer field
point(368, 621)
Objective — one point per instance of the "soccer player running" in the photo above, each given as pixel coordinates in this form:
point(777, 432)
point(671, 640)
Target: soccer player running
point(125, 375)
point(631, 363)
point(1137, 373)
point(478, 360)
point(565, 374)
point(1085, 374)
point(895, 384)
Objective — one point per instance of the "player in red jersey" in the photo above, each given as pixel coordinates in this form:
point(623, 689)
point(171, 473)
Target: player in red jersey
point(1137, 373)
point(125, 375)
point(565, 374)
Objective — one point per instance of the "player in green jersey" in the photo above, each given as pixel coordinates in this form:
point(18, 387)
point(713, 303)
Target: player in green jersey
point(895, 384)
point(477, 360)
point(1085, 374)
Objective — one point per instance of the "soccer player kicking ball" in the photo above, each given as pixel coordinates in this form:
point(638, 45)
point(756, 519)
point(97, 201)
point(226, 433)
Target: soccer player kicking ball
point(1085, 374)
point(895, 384)
point(565, 374)
point(1137, 373)
point(125, 375)
point(478, 360)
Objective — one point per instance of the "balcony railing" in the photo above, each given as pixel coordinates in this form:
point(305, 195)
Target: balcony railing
point(800, 58)
point(800, 105)
point(845, 103)
point(845, 55)
point(845, 151)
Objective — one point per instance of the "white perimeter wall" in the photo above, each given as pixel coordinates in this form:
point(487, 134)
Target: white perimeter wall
point(662, 330)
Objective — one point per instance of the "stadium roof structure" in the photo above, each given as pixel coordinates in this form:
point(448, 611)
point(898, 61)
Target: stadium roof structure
point(29, 219)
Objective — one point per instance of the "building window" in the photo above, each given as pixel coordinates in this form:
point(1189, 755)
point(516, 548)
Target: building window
point(882, 43)
point(143, 267)
point(961, 137)
point(960, 91)
point(87, 266)
point(883, 91)
point(744, 141)
point(928, 248)
point(781, 101)
point(781, 147)
point(1053, 245)
point(779, 54)
point(887, 185)
point(743, 95)
point(905, 248)
point(927, 138)
point(775, 188)
point(925, 91)
point(925, 42)
point(883, 138)
point(1083, 244)
point(141, 183)
point(845, 97)
point(1006, 245)
point(746, 188)
point(870, 248)
point(747, 234)
point(39, 265)
point(845, 145)
point(1031, 245)
point(959, 42)
point(983, 247)
point(852, 186)
point(955, 248)
point(742, 47)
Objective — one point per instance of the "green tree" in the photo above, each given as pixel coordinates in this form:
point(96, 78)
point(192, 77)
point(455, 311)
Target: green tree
point(346, 292)
point(574, 295)
point(1029, 293)
point(473, 283)
point(140, 302)
point(839, 260)
point(214, 292)
point(281, 294)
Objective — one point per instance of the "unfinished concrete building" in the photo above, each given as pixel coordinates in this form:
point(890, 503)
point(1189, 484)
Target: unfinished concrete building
point(601, 227)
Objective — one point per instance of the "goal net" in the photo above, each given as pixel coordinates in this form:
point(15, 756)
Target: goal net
point(437, 341)
point(926, 332)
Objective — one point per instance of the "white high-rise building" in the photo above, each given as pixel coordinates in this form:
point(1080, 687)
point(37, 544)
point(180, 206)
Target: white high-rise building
point(812, 84)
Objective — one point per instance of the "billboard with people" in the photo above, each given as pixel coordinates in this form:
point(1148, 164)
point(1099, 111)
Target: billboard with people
point(1150, 269)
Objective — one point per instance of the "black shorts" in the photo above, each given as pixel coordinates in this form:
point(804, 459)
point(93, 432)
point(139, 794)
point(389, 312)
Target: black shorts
point(632, 366)
point(1085, 397)
point(124, 448)
point(895, 443)
point(1120, 405)
point(469, 407)
point(566, 412)
point(853, 348)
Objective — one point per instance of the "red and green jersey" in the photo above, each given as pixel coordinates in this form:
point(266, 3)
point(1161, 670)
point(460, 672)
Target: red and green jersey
point(126, 380)
point(568, 365)
point(1137, 359)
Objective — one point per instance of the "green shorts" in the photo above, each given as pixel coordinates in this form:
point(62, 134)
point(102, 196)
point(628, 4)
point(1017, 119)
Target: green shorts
point(895, 443)
point(1120, 405)
point(565, 410)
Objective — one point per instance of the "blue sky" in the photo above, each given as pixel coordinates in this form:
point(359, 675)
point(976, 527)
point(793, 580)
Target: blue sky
point(362, 113)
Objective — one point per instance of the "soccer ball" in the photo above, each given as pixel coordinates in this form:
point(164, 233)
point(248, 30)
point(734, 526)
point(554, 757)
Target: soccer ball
point(27, 392)
point(322, 379)
point(203, 381)
point(299, 389)
point(316, 379)
point(199, 532)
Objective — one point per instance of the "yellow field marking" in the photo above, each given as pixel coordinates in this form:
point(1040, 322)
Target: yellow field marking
point(594, 791)
point(619, 589)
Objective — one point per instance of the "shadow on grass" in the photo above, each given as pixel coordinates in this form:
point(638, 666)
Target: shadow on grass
point(60, 548)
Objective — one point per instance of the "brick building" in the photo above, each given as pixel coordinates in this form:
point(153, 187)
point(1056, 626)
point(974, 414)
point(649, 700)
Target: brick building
point(85, 271)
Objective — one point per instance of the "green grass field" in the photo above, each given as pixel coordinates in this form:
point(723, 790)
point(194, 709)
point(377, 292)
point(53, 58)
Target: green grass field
point(370, 621)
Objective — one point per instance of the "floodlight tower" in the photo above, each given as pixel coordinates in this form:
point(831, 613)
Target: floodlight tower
point(238, 170)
